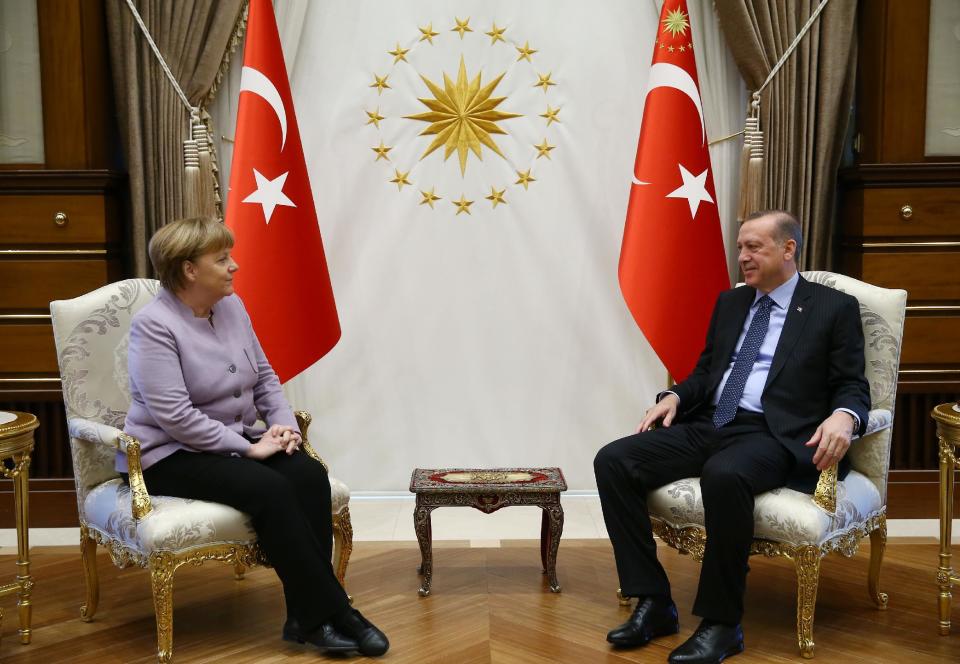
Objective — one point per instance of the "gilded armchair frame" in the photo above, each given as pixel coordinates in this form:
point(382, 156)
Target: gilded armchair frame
point(163, 564)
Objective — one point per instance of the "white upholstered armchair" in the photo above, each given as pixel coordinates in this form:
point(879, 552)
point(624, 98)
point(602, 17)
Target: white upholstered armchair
point(159, 533)
point(806, 528)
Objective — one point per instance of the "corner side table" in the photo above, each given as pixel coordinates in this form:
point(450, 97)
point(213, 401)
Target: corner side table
point(947, 417)
point(488, 490)
point(16, 443)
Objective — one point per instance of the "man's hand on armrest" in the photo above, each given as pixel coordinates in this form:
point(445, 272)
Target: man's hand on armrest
point(665, 409)
point(832, 439)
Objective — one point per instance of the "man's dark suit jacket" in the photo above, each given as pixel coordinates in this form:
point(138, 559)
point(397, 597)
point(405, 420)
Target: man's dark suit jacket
point(818, 367)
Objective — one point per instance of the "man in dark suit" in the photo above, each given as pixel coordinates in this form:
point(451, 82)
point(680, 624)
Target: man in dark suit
point(776, 396)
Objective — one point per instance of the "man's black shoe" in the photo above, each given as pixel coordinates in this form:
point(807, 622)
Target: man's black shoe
point(325, 637)
point(372, 642)
point(651, 618)
point(711, 643)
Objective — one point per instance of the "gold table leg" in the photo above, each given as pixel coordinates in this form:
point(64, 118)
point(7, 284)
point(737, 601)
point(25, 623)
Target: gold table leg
point(24, 605)
point(945, 570)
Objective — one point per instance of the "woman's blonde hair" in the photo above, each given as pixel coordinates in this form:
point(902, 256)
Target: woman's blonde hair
point(185, 240)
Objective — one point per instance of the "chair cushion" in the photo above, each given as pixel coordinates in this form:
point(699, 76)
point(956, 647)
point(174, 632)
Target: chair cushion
point(175, 524)
point(781, 515)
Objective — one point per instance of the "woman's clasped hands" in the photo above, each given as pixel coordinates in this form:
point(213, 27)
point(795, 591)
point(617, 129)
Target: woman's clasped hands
point(279, 437)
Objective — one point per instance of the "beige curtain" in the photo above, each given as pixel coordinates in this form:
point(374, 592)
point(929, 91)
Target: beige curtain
point(804, 110)
point(193, 36)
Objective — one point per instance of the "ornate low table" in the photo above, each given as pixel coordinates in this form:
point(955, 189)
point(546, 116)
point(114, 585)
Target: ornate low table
point(489, 490)
point(16, 443)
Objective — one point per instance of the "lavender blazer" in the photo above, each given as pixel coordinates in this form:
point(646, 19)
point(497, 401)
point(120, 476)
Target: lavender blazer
point(196, 386)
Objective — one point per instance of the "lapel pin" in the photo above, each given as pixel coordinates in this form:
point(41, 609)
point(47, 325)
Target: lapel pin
point(800, 309)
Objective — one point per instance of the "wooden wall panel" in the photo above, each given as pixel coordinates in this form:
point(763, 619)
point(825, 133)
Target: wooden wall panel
point(930, 340)
point(30, 285)
point(892, 80)
point(926, 276)
point(27, 349)
point(74, 83)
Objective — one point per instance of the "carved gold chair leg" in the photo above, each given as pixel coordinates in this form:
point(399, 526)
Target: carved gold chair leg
point(624, 601)
point(88, 554)
point(878, 542)
point(342, 543)
point(807, 561)
point(239, 569)
point(162, 567)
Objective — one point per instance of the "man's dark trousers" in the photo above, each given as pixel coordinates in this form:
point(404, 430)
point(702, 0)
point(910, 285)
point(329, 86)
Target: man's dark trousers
point(734, 463)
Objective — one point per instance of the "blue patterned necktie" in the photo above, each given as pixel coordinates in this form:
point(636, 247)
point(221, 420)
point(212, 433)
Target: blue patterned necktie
point(737, 380)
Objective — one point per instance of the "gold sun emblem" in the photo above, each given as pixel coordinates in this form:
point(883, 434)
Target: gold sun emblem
point(676, 23)
point(463, 115)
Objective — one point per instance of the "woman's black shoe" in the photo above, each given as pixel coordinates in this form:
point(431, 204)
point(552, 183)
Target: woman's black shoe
point(372, 642)
point(325, 637)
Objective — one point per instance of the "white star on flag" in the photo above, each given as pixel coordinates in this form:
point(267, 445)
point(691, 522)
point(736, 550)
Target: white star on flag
point(269, 194)
point(694, 189)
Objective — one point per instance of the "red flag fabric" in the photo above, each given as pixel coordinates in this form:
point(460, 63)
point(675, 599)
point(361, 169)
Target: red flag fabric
point(283, 278)
point(672, 264)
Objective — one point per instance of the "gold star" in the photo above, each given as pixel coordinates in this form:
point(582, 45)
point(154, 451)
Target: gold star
point(400, 179)
point(429, 197)
point(399, 54)
point(544, 82)
point(661, 45)
point(462, 115)
point(463, 205)
point(543, 150)
point(375, 117)
point(427, 33)
point(689, 46)
point(676, 23)
point(670, 48)
point(496, 196)
point(462, 26)
point(683, 49)
point(382, 152)
point(380, 83)
point(551, 115)
point(525, 52)
point(496, 34)
point(525, 178)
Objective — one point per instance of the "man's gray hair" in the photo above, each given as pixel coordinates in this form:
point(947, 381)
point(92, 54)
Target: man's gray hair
point(787, 227)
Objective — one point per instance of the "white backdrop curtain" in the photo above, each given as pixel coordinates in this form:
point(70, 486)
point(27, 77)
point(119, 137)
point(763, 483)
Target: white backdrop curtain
point(497, 338)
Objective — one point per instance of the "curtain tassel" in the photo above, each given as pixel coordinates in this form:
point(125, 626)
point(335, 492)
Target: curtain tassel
point(192, 194)
point(206, 204)
point(751, 164)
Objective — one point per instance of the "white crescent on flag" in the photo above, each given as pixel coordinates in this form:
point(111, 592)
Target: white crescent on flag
point(253, 81)
point(665, 75)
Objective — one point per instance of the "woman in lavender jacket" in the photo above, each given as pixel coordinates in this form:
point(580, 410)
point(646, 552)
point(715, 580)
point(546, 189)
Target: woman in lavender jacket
point(198, 380)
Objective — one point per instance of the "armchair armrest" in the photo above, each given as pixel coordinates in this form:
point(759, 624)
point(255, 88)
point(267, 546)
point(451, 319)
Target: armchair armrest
point(102, 434)
point(825, 495)
point(878, 419)
point(303, 421)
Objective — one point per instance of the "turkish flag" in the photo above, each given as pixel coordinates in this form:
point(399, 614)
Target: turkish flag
point(672, 263)
point(283, 278)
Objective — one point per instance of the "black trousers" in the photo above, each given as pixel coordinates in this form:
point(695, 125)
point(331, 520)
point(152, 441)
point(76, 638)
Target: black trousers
point(288, 500)
point(734, 463)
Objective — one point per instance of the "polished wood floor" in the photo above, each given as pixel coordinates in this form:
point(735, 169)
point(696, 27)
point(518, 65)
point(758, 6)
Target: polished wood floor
point(488, 605)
